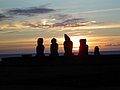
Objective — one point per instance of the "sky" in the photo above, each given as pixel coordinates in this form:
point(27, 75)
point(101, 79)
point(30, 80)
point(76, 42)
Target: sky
point(22, 22)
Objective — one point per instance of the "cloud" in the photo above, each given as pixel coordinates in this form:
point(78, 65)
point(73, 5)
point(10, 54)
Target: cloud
point(61, 16)
point(74, 21)
point(31, 11)
point(103, 10)
point(113, 44)
point(50, 23)
point(3, 17)
point(54, 24)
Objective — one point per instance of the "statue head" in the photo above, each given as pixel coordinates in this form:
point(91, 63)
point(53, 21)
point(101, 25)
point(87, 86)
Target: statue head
point(40, 41)
point(53, 40)
point(66, 37)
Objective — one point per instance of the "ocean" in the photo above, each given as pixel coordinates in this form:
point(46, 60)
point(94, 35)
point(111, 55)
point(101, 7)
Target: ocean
point(60, 54)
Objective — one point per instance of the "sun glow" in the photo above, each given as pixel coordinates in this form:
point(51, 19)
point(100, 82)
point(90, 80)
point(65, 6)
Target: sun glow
point(44, 21)
point(75, 40)
point(76, 43)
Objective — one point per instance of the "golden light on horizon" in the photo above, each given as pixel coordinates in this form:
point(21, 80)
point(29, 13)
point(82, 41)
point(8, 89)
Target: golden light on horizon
point(44, 22)
point(29, 45)
point(76, 43)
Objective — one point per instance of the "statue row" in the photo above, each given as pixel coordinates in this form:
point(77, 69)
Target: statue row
point(68, 45)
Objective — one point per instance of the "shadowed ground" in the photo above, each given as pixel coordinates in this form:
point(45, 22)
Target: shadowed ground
point(74, 72)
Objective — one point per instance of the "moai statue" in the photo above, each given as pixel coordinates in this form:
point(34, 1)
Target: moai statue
point(96, 50)
point(54, 48)
point(68, 45)
point(40, 48)
point(83, 49)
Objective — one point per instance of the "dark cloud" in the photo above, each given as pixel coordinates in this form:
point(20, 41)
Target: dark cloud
point(58, 24)
point(32, 25)
point(73, 20)
point(61, 16)
point(76, 22)
point(112, 45)
point(3, 17)
point(30, 11)
point(64, 23)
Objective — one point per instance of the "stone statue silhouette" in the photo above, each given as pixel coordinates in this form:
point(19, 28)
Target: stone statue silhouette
point(96, 50)
point(40, 47)
point(54, 48)
point(68, 45)
point(83, 49)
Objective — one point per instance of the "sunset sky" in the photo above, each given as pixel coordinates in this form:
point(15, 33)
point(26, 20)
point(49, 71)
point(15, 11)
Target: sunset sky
point(23, 21)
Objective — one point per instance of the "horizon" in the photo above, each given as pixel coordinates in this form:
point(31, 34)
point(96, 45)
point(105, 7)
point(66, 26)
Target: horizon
point(62, 53)
point(22, 22)
point(11, 55)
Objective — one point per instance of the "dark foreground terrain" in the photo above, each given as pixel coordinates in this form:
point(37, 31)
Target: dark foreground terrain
point(70, 73)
